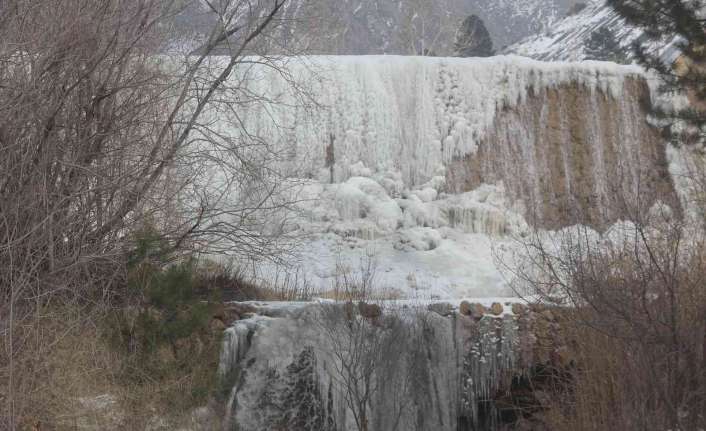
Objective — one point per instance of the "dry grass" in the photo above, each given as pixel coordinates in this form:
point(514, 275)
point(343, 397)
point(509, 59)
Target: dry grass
point(72, 378)
point(639, 338)
point(232, 283)
point(63, 361)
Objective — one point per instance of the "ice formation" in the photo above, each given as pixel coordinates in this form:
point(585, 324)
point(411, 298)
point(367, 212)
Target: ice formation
point(410, 115)
point(429, 167)
point(323, 366)
point(431, 164)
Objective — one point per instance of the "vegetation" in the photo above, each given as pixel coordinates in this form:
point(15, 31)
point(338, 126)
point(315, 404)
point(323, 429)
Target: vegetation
point(637, 297)
point(107, 312)
point(681, 22)
point(98, 133)
point(473, 39)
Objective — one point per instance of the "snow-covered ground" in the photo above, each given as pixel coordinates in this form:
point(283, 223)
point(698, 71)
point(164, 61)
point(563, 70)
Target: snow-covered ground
point(414, 243)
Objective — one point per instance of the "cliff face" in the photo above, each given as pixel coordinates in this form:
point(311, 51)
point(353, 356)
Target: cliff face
point(573, 155)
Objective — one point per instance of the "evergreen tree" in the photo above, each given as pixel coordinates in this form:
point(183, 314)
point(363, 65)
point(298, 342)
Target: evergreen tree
point(473, 39)
point(682, 21)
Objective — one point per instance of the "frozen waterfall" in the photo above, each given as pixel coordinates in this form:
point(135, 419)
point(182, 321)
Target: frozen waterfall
point(331, 367)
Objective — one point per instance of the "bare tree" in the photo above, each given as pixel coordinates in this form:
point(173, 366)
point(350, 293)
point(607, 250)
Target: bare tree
point(636, 293)
point(101, 132)
point(366, 355)
point(427, 28)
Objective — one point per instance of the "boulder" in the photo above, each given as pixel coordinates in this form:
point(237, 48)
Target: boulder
point(477, 311)
point(219, 311)
point(519, 309)
point(217, 325)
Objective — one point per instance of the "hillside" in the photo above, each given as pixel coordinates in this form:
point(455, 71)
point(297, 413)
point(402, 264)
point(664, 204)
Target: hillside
point(403, 27)
point(582, 36)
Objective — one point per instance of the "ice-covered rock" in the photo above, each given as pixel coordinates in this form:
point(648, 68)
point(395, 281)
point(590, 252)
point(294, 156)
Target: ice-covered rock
point(413, 366)
point(409, 364)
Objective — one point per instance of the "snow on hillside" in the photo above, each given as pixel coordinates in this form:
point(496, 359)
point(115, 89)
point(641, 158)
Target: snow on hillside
point(355, 27)
point(511, 20)
point(373, 154)
point(569, 38)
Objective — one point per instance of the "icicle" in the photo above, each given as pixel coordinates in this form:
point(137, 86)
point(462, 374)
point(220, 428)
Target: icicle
point(441, 366)
point(235, 345)
point(486, 364)
point(411, 114)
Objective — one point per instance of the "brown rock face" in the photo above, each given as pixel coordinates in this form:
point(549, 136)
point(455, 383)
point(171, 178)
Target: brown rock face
point(573, 155)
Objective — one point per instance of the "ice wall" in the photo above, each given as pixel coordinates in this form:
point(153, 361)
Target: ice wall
point(405, 367)
point(503, 119)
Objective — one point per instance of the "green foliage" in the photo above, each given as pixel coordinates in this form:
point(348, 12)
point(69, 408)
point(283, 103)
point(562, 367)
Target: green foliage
point(163, 327)
point(170, 309)
point(293, 401)
point(680, 21)
point(149, 244)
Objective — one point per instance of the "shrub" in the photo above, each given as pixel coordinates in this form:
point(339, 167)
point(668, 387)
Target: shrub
point(163, 326)
point(637, 320)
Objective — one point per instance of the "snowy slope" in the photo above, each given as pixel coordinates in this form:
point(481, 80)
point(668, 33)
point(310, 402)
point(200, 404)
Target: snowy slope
point(568, 39)
point(511, 20)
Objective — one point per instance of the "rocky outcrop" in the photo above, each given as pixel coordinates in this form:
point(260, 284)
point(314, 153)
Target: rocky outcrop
point(591, 159)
